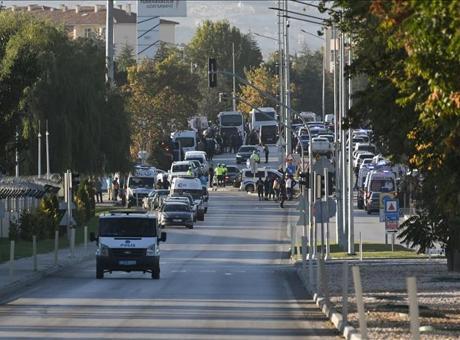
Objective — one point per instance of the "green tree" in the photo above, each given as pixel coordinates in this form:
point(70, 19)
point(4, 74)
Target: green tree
point(46, 76)
point(162, 95)
point(409, 51)
point(214, 39)
point(263, 80)
point(125, 59)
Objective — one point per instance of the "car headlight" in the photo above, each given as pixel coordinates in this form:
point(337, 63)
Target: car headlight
point(152, 250)
point(102, 250)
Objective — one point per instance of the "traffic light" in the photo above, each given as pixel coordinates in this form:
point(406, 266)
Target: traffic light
point(212, 72)
point(305, 179)
point(331, 184)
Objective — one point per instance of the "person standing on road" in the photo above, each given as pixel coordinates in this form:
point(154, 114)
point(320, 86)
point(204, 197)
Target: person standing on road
point(98, 189)
point(211, 174)
point(224, 174)
point(219, 174)
point(260, 188)
point(266, 151)
point(267, 188)
point(115, 189)
point(289, 187)
point(282, 191)
point(276, 189)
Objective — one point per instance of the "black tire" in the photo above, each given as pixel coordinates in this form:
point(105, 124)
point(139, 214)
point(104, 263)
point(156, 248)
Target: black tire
point(99, 271)
point(156, 269)
point(249, 188)
point(189, 226)
point(205, 210)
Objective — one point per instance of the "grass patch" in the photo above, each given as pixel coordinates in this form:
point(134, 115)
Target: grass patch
point(374, 251)
point(24, 248)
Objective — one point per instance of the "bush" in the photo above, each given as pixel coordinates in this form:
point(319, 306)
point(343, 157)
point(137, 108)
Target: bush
point(41, 222)
point(84, 202)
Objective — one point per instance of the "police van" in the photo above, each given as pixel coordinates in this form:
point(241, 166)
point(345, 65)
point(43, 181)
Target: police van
point(193, 186)
point(128, 241)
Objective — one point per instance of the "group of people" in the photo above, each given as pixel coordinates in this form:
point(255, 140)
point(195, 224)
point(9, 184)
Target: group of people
point(278, 189)
point(217, 175)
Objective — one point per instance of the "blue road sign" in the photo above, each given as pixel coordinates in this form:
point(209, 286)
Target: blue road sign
point(391, 209)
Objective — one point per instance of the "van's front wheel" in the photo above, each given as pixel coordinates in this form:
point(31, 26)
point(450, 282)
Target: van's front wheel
point(99, 271)
point(156, 269)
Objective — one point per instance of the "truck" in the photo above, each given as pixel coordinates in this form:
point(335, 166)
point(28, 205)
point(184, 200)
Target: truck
point(128, 241)
point(231, 122)
point(262, 116)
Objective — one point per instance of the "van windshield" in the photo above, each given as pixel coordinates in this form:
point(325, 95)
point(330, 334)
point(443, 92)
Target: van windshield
point(196, 193)
point(141, 182)
point(199, 159)
point(231, 120)
point(127, 227)
point(185, 142)
point(382, 185)
point(180, 168)
point(264, 116)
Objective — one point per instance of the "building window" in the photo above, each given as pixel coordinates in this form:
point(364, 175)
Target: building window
point(88, 32)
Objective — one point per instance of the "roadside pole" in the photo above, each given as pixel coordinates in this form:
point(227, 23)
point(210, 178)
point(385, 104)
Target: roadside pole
point(351, 226)
point(234, 79)
point(326, 198)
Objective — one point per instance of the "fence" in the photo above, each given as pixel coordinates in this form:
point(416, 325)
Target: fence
point(11, 209)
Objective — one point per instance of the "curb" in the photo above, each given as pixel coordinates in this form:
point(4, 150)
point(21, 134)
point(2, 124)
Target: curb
point(348, 332)
point(39, 275)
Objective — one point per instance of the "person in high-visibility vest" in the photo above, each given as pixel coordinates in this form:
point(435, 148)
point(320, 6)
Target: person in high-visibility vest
point(189, 171)
point(219, 173)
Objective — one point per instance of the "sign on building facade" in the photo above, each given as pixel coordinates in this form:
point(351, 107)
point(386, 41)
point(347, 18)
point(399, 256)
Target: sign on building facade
point(148, 23)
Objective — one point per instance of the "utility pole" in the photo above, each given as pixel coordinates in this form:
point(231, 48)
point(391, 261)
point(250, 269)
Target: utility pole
point(344, 142)
point(39, 172)
point(47, 134)
point(287, 86)
point(337, 141)
point(281, 111)
point(109, 43)
point(323, 94)
point(234, 79)
point(17, 155)
point(351, 227)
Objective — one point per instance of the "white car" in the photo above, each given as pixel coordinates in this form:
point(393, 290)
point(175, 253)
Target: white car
point(199, 156)
point(181, 168)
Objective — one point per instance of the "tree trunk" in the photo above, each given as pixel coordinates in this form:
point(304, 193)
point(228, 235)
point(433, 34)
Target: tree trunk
point(453, 250)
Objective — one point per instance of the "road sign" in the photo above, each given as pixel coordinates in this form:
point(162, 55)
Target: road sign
point(391, 209)
point(323, 211)
point(391, 226)
point(382, 197)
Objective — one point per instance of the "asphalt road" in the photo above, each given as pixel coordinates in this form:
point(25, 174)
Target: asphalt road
point(226, 279)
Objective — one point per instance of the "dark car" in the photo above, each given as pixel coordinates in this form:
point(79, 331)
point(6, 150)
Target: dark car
point(175, 213)
point(233, 175)
point(245, 152)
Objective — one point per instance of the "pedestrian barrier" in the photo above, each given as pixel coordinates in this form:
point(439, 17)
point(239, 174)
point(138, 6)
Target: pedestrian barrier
point(413, 308)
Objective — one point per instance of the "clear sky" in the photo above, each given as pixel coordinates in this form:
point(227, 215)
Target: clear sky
point(247, 15)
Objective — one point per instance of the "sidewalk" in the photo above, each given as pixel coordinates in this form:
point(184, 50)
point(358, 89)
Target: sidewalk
point(24, 274)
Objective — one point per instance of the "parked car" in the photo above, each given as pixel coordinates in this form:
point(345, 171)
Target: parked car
point(245, 151)
point(233, 175)
point(175, 213)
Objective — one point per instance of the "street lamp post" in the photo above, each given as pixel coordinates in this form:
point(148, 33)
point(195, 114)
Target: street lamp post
point(39, 172)
point(47, 134)
point(287, 87)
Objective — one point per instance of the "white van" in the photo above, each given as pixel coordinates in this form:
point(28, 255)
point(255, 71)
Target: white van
point(128, 241)
point(186, 140)
point(181, 169)
point(139, 184)
point(199, 156)
point(263, 116)
point(194, 187)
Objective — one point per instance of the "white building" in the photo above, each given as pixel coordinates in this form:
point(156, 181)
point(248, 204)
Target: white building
point(89, 21)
